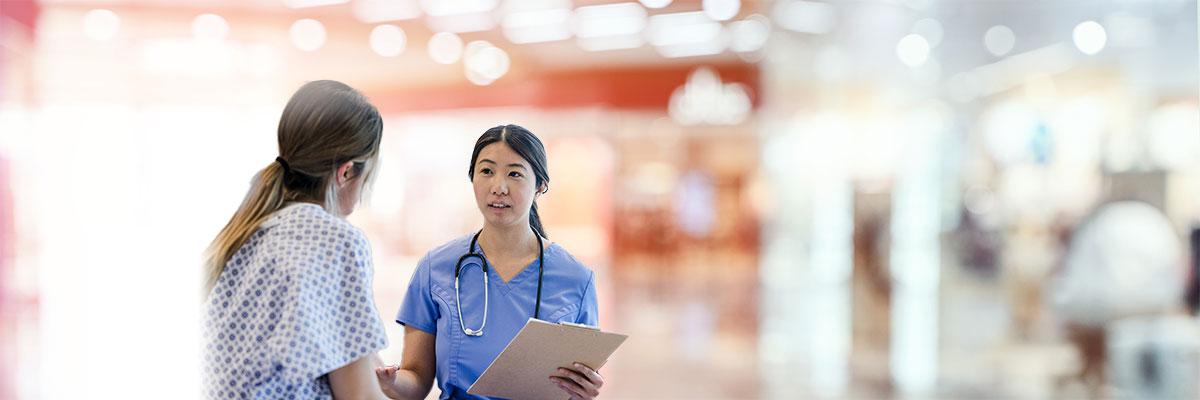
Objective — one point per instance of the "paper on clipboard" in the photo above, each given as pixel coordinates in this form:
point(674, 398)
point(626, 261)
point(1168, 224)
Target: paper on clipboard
point(523, 369)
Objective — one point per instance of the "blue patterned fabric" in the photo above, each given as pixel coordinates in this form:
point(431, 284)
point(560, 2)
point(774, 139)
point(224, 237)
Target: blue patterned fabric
point(293, 304)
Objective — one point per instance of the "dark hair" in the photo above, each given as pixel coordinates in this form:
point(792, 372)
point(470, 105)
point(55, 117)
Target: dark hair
point(527, 146)
point(324, 125)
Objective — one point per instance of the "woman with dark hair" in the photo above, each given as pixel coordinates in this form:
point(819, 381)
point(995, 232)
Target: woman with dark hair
point(468, 298)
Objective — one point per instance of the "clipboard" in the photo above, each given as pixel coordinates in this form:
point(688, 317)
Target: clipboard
point(523, 369)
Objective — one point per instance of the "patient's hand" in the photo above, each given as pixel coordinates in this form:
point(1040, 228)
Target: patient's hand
point(387, 381)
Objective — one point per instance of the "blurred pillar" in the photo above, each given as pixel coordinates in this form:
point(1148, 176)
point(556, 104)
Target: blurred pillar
point(808, 241)
point(916, 252)
point(807, 262)
point(827, 302)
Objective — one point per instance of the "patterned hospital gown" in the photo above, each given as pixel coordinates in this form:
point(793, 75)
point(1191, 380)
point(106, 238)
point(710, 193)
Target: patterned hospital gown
point(293, 304)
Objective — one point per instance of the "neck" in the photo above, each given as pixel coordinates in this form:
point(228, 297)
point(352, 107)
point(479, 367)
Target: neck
point(511, 241)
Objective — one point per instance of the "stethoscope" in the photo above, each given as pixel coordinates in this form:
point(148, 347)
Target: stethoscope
point(483, 265)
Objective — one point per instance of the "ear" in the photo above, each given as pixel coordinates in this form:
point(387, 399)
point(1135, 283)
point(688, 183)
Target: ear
point(345, 173)
point(540, 191)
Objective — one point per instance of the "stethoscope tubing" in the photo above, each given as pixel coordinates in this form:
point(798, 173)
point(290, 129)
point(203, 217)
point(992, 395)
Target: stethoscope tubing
point(483, 265)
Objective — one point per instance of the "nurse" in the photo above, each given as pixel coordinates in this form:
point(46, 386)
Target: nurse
point(468, 298)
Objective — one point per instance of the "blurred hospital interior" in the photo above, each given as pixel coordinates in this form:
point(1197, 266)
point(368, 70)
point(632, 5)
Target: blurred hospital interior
point(825, 199)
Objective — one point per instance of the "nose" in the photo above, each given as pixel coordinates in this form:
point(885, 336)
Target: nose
point(500, 188)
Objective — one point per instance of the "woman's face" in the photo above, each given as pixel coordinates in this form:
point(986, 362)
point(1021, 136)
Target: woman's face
point(505, 186)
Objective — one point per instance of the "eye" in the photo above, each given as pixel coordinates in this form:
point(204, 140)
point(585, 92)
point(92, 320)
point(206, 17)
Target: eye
point(485, 171)
point(515, 174)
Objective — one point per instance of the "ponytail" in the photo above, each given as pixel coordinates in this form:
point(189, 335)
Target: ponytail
point(266, 196)
point(535, 222)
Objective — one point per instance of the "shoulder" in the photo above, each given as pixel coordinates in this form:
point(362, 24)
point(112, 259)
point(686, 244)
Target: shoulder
point(447, 253)
point(563, 261)
point(309, 237)
point(309, 226)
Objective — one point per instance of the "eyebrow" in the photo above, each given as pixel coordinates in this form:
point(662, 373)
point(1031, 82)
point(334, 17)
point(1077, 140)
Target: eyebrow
point(521, 166)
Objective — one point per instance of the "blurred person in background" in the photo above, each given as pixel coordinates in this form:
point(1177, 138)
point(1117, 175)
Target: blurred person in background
point(1120, 292)
point(452, 330)
point(290, 310)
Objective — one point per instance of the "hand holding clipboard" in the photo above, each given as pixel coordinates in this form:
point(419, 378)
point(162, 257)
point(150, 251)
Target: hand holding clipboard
point(538, 350)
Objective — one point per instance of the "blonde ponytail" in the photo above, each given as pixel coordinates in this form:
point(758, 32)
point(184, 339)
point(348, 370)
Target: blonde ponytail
point(266, 196)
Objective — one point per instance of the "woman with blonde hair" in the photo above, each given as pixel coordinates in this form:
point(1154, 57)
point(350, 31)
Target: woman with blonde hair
point(289, 307)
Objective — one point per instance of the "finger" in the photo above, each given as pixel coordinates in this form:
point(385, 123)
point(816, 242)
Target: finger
point(589, 388)
point(570, 387)
point(387, 372)
point(572, 375)
point(591, 374)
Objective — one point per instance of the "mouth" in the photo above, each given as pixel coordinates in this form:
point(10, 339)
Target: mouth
point(498, 206)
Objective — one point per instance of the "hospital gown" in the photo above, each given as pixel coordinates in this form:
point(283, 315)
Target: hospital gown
point(293, 304)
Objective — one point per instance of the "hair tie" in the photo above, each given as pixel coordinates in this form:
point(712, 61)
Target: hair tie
point(284, 163)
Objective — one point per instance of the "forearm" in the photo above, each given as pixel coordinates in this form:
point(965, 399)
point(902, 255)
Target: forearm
point(414, 376)
point(409, 385)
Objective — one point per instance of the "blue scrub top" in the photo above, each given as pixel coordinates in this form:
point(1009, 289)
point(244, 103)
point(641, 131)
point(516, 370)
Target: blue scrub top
point(568, 295)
